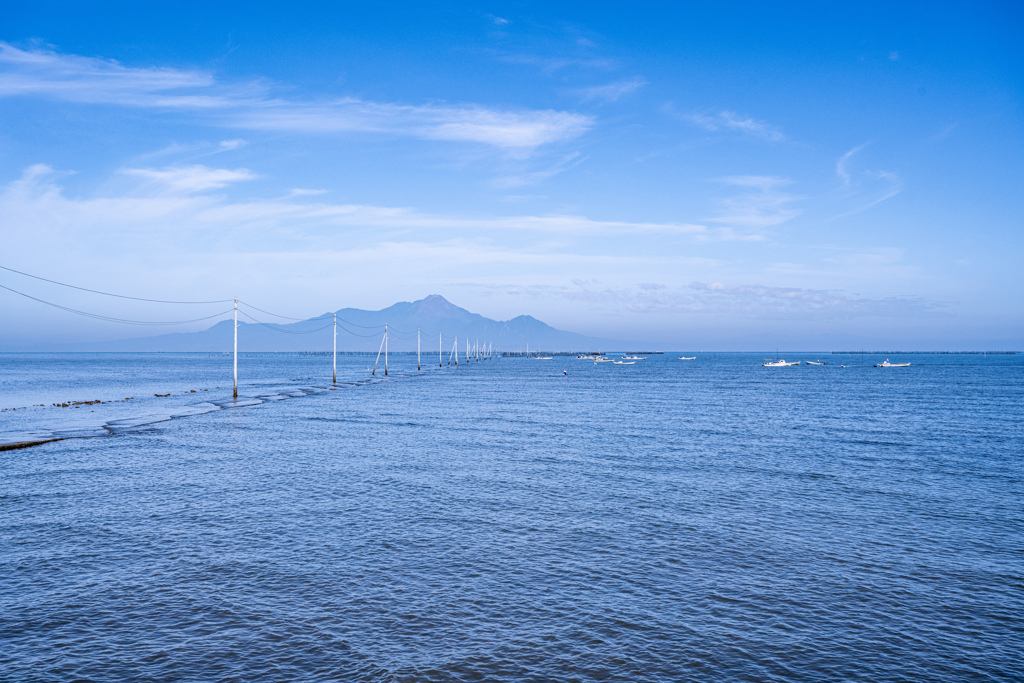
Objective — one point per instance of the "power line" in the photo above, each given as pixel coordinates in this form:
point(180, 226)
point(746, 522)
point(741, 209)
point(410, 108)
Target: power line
point(111, 319)
point(119, 296)
point(285, 317)
point(277, 328)
point(276, 315)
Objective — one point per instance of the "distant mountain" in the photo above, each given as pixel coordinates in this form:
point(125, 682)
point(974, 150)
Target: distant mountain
point(360, 330)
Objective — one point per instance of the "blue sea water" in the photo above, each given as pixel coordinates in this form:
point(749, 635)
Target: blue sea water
point(707, 520)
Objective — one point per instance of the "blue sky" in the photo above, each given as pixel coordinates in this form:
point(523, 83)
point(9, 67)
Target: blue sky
point(747, 177)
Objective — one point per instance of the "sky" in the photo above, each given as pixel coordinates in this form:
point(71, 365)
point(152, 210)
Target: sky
point(700, 175)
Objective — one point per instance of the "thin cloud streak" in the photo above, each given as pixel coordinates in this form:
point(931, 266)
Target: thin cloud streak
point(841, 171)
point(854, 184)
point(762, 205)
point(611, 92)
point(88, 80)
point(730, 121)
point(467, 123)
point(738, 300)
point(188, 179)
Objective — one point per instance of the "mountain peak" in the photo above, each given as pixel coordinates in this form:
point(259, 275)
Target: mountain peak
point(435, 303)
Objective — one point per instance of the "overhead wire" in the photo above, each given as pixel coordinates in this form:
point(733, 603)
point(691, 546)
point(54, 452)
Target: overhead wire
point(285, 317)
point(108, 318)
point(276, 315)
point(119, 296)
point(276, 327)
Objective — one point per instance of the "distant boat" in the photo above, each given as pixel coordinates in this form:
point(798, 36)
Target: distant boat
point(634, 358)
point(887, 364)
point(543, 357)
point(685, 358)
point(817, 362)
point(778, 364)
point(602, 359)
point(621, 362)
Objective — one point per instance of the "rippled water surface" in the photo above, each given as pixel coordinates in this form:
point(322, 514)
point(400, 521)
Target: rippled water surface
point(707, 520)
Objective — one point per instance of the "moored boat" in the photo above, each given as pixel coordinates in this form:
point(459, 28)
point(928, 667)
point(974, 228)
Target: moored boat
point(887, 364)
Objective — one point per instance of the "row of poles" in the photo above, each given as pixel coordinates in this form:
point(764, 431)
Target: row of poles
point(472, 351)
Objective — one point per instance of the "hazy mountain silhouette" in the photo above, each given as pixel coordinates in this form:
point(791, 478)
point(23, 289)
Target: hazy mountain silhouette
point(361, 330)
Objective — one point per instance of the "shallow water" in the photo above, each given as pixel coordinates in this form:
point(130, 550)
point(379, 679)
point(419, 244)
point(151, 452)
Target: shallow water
point(705, 520)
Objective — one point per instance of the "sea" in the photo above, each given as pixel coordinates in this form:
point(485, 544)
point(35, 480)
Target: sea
point(511, 519)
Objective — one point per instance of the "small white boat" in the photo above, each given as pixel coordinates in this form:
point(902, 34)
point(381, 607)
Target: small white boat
point(602, 359)
point(685, 358)
point(634, 358)
point(817, 362)
point(778, 364)
point(887, 364)
point(543, 357)
point(622, 362)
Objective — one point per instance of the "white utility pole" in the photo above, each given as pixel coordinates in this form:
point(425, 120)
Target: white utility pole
point(377, 360)
point(385, 349)
point(334, 374)
point(235, 392)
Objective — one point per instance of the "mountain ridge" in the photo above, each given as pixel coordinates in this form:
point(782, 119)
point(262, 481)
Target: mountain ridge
point(362, 330)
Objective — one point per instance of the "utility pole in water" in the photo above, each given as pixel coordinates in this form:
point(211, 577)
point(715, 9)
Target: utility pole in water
point(235, 392)
point(334, 374)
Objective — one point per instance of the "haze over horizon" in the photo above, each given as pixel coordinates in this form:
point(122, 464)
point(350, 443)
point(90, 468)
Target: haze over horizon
point(693, 176)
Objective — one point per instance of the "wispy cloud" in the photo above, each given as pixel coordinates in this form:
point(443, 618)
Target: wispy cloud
point(550, 65)
point(531, 177)
point(730, 121)
point(189, 179)
point(763, 203)
point(717, 298)
point(611, 92)
point(841, 171)
point(795, 302)
point(88, 80)
point(466, 123)
point(875, 186)
point(304, 192)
